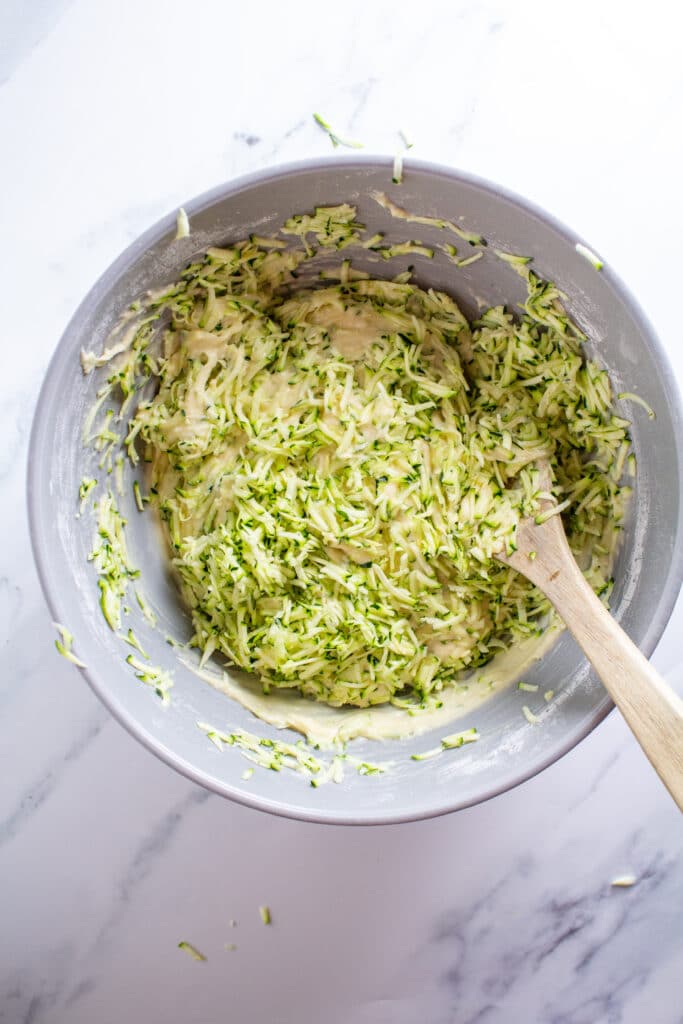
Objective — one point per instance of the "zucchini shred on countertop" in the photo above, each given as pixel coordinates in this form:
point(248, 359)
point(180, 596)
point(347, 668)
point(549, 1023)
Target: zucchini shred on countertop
point(334, 466)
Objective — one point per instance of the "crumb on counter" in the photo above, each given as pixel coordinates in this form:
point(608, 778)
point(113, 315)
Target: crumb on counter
point(623, 881)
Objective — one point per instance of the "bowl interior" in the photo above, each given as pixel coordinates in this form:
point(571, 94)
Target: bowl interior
point(648, 568)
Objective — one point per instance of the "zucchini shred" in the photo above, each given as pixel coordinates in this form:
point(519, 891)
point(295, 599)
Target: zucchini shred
point(335, 466)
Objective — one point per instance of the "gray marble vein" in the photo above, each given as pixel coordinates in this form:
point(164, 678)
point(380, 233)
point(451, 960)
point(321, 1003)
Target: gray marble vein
point(15, 418)
point(157, 842)
point(23, 27)
point(41, 789)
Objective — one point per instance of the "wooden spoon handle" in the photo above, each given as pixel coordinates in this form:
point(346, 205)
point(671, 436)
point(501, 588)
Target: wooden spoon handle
point(651, 708)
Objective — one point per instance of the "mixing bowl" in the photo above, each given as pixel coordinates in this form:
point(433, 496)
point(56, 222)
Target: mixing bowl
point(648, 568)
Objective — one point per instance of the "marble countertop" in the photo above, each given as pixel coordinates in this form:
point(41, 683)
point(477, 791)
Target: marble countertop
point(112, 114)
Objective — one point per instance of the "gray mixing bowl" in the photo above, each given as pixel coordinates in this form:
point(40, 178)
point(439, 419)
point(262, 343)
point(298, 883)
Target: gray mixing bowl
point(649, 566)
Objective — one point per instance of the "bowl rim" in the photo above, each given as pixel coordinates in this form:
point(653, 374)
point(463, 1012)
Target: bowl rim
point(102, 285)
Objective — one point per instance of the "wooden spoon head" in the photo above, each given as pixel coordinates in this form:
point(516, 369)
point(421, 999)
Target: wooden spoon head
point(541, 550)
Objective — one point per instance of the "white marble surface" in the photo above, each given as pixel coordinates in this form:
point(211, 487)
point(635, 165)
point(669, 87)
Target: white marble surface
point(112, 114)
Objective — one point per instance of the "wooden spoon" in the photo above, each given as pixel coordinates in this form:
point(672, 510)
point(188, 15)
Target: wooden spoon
point(652, 710)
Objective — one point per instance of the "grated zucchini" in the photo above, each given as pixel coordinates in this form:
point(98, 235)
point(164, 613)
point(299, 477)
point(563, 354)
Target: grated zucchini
point(397, 170)
point(452, 742)
point(131, 639)
point(332, 510)
point(447, 225)
point(629, 396)
point(192, 951)
point(111, 560)
point(65, 645)
point(275, 755)
point(160, 680)
point(589, 255)
point(182, 224)
point(335, 139)
point(87, 486)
